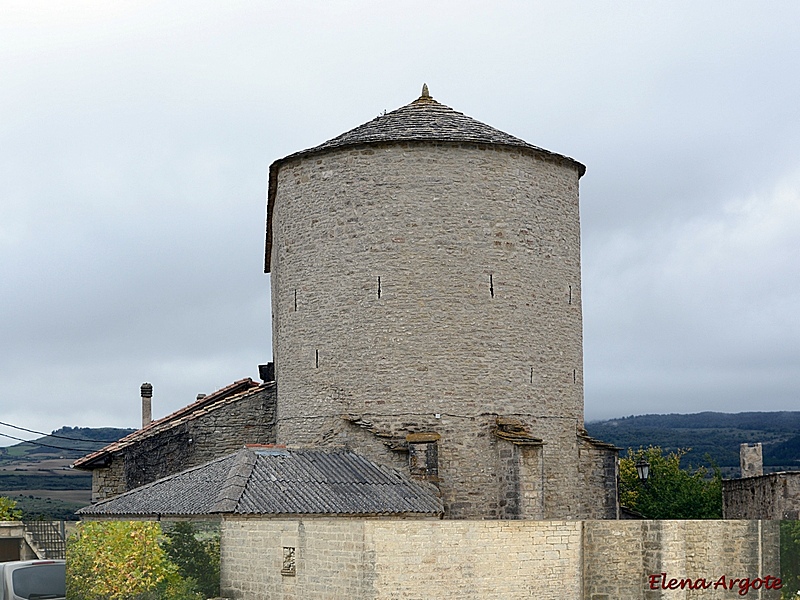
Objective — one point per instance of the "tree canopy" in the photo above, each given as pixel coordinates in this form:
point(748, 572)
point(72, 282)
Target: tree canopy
point(8, 510)
point(671, 492)
point(123, 560)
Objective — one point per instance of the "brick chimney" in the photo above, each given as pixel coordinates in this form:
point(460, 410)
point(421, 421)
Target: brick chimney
point(147, 406)
point(751, 460)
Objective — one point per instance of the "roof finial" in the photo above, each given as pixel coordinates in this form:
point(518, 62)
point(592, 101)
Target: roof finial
point(425, 93)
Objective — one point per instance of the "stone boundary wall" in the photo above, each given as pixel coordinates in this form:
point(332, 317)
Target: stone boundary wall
point(392, 559)
point(620, 557)
point(772, 496)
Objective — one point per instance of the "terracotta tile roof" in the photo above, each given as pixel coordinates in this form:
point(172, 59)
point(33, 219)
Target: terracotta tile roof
point(204, 405)
point(424, 120)
point(273, 480)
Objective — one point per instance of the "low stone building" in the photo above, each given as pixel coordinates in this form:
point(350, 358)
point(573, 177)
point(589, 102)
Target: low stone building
point(15, 542)
point(771, 496)
point(756, 495)
point(212, 426)
point(327, 524)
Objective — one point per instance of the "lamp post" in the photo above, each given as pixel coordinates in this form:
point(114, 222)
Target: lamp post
point(643, 469)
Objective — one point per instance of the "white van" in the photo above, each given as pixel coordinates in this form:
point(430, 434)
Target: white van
point(33, 580)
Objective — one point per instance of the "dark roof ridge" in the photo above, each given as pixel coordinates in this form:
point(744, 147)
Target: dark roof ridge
point(235, 482)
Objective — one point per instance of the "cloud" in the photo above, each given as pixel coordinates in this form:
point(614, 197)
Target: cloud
point(698, 313)
point(136, 140)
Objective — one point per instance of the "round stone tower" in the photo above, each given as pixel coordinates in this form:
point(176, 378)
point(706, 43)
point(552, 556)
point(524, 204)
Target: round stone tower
point(426, 304)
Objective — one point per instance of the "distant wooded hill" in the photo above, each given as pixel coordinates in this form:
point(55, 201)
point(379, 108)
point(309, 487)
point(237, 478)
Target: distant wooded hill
point(710, 434)
point(67, 442)
point(37, 474)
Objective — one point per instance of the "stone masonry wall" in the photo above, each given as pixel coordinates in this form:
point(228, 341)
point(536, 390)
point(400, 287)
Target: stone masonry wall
point(772, 496)
point(476, 559)
point(483, 475)
point(453, 273)
point(389, 559)
point(108, 481)
point(620, 557)
point(599, 470)
point(213, 433)
point(329, 555)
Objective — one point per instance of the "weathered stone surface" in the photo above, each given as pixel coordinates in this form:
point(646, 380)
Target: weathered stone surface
point(751, 460)
point(360, 559)
point(210, 434)
point(772, 496)
point(430, 287)
point(620, 556)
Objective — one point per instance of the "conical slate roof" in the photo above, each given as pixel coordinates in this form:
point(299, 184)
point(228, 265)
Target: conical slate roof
point(424, 120)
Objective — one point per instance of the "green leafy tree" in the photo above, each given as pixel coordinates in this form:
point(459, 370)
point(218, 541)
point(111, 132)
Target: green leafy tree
point(790, 559)
point(8, 510)
point(197, 559)
point(123, 560)
point(670, 492)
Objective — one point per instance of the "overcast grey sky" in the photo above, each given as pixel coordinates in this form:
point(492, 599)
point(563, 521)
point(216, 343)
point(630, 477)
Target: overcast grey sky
point(135, 140)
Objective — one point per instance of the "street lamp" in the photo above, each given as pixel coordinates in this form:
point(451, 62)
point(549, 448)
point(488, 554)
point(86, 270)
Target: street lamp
point(643, 469)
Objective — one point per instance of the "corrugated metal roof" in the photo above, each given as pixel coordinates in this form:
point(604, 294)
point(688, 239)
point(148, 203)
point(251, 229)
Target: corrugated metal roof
point(257, 481)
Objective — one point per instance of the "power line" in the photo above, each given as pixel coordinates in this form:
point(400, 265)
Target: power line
point(63, 437)
point(35, 443)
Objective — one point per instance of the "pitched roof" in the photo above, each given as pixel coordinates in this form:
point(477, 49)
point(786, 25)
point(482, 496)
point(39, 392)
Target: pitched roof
point(221, 397)
point(272, 480)
point(424, 120)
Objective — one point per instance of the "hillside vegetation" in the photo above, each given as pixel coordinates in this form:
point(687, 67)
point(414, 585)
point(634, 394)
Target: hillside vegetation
point(67, 442)
point(37, 474)
point(710, 435)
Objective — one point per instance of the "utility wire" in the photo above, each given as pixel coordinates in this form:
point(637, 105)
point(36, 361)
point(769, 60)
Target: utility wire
point(35, 443)
point(63, 437)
